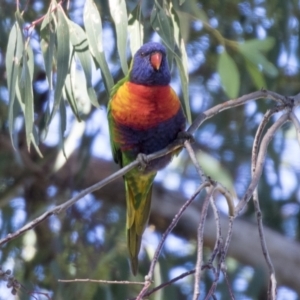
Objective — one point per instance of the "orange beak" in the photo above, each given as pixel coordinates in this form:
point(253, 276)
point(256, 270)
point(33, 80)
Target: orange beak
point(155, 60)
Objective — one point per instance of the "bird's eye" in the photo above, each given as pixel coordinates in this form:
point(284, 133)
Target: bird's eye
point(143, 54)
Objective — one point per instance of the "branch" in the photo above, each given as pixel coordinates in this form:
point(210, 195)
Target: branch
point(172, 147)
point(200, 238)
point(260, 161)
point(296, 123)
point(257, 139)
point(101, 281)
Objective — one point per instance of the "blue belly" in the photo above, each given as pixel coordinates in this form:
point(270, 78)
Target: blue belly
point(148, 141)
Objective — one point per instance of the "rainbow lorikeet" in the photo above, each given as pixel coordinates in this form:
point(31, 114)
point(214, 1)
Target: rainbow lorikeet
point(145, 116)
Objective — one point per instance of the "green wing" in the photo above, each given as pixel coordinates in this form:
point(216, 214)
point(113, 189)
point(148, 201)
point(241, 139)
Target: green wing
point(115, 149)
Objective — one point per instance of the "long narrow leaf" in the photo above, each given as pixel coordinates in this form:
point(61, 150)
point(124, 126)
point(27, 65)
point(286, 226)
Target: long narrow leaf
point(161, 22)
point(81, 47)
point(71, 97)
point(93, 27)
point(48, 45)
point(119, 14)
point(167, 26)
point(26, 94)
point(12, 62)
point(135, 29)
point(63, 56)
point(229, 75)
point(182, 64)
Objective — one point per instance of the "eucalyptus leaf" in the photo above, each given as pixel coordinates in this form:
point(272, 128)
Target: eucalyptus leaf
point(48, 45)
point(118, 12)
point(161, 23)
point(229, 74)
point(71, 97)
point(257, 58)
point(259, 45)
point(63, 125)
point(81, 47)
point(35, 140)
point(135, 29)
point(93, 27)
point(182, 65)
point(26, 95)
point(12, 62)
point(175, 24)
point(256, 75)
point(63, 57)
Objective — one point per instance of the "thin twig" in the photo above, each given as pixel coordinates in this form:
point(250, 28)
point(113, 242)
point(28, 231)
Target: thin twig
point(59, 208)
point(172, 147)
point(272, 282)
point(296, 123)
point(228, 285)
point(144, 289)
point(260, 161)
point(200, 238)
point(259, 133)
point(148, 278)
point(219, 239)
point(39, 20)
point(221, 263)
point(264, 247)
point(193, 157)
point(221, 189)
point(185, 274)
point(102, 281)
point(172, 225)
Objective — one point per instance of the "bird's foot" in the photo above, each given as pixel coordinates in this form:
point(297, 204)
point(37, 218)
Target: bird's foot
point(183, 136)
point(143, 161)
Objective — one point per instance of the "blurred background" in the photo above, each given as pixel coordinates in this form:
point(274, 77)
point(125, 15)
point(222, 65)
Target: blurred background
point(88, 240)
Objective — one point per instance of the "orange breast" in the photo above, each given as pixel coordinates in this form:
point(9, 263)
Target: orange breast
point(143, 107)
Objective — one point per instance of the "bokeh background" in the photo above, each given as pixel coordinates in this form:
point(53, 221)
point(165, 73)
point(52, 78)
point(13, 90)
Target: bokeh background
point(88, 240)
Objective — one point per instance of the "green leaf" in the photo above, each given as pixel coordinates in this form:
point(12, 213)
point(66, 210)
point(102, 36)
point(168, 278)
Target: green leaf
point(175, 24)
point(161, 23)
point(35, 141)
point(93, 27)
point(182, 64)
point(260, 45)
point(118, 12)
point(92, 95)
point(63, 58)
point(166, 24)
point(71, 97)
point(135, 29)
point(81, 47)
point(256, 75)
point(63, 125)
point(191, 8)
point(26, 95)
point(12, 62)
point(229, 74)
point(48, 44)
point(251, 51)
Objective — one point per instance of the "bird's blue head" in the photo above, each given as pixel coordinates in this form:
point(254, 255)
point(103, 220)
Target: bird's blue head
point(150, 65)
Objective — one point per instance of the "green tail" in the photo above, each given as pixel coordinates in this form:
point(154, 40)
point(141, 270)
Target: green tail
point(138, 201)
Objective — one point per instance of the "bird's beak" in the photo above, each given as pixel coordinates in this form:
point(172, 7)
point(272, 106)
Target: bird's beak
point(155, 60)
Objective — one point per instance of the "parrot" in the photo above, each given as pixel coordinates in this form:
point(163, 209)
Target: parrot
point(144, 115)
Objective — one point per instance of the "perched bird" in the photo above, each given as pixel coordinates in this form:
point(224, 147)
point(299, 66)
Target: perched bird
point(145, 116)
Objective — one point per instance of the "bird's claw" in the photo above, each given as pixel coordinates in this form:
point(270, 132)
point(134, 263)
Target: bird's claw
point(143, 161)
point(183, 136)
